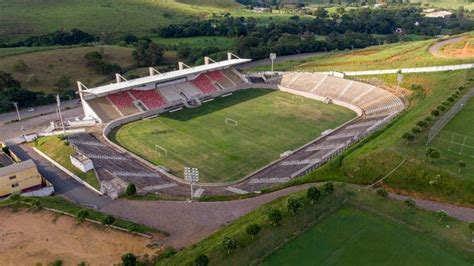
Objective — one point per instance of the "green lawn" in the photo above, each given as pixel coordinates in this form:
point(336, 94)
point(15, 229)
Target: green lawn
point(353, 237)
point(269, 123)
point(396, 55)
point(456, 141)
point(351, 226)
point(57, 150)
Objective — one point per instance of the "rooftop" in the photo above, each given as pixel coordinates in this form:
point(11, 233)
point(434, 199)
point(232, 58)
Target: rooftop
point(115, 87)
point(5, 160)
point(17, 167)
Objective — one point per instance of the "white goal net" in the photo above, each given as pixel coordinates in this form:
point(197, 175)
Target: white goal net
point(162, 152)
point(231, 122)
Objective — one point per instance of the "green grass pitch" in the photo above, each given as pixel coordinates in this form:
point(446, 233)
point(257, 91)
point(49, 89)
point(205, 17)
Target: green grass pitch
point(456, 141)
point(268, 124)
point(353, 237)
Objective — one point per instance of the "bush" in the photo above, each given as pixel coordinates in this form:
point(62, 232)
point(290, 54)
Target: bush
point(129, 259)
point(132, 228)
point(229, 244)
point(313, 194)
point(275, 217)
point(441, 108)
point(108, 220)
point(408, 136)
point(328, 188)
point(201, 260)
point(382, 192)
point(131, 189)
point(82, 214)
point(445, 103)
point(432, 153)
point(294, 205)
point(416, 130)
point(15, 197)
point(435, 112)
point(471, 226)
point(410, 203)
point(253, 230)
point(451, 99)
point(422, 123)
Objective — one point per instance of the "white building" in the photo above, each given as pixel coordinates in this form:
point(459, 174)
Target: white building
point(82, 163)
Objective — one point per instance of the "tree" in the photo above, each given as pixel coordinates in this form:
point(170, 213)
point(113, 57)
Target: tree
point(275, 216)
point(320, 12)
point(20, 66)
point(435, 112)
point(253, 230)
point(460, 164)
point(313, 194)
point(408, 136)
point(201, 260)
point(131, 189)
point(82, 214)
point(91, 56)
point(328, 188)
point(7, 81)
point(294, 205)
point(432, 153)
point(410, 203)
point(108, 220)
point(441, 215)
point(229, 244)
point(471, 226)
point(382, 192)
point(129, 259)
point(148, 54)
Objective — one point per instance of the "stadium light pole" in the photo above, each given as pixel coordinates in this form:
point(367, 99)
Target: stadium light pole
point(273, 56)
point(58, 100)
point(191, 175)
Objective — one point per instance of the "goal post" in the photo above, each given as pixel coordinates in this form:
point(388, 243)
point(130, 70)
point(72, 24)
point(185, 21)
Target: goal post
point(231, 122)
point(162, 152)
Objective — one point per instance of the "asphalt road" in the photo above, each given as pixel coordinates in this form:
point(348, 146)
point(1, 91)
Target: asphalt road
point(24, 113)
point(33, 124)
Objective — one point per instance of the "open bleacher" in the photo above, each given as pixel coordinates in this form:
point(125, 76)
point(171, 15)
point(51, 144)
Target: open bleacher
point(124, 102)
point(221, 79)
point(188, 90)
point(151, 98)
point(204, 84)
point(232, 75)
point(104, 109)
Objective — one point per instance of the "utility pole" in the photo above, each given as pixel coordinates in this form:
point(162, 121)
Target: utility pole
point(17, 111)
point(58, 100)
point(273, 56)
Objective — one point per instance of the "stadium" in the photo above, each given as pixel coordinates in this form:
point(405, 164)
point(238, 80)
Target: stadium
point(361, 109)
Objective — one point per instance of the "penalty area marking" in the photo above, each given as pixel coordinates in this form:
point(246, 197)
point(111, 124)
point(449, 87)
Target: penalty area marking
point(161, 151)
point(231, 122)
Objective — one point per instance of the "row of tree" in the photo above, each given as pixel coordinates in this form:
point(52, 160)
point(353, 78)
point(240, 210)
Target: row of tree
point(60, 37)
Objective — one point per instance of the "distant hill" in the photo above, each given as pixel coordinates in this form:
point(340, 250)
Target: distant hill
point(20, 19)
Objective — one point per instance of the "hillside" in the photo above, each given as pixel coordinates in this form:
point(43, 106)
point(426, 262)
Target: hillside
point(102, 17)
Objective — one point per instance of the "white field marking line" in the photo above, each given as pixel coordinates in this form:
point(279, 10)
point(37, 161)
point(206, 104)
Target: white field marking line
point(345, 89)
point(462, 147)
point(198, 193)
point(299, 162)
point(231, 122)
point(269, 180)
point(236, 190)
point(158, 187)
point(389, 173)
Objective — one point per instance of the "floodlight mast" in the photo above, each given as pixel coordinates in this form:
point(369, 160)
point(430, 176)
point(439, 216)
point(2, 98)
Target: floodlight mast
point(192, 176)
point(273, 57)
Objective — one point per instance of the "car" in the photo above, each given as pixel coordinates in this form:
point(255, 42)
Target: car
point(31, 110)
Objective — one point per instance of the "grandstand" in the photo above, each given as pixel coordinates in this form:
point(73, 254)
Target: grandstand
point(162, 92)
point(125, 101)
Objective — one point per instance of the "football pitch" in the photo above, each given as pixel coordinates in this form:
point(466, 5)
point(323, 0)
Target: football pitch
point(354, 237)
point(230, 137)
point(456, 141)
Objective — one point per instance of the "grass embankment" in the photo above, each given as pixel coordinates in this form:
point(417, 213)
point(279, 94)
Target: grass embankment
point(62, 205)
point(223, 152)
point(396, 55)
point(349, 224)
point(60, 151)
point(44, 68)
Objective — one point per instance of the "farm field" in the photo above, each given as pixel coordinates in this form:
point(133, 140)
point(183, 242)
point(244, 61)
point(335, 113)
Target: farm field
point(100, 16)
point(267, 123)
point(42, 237)
point(398, 55)
point(44, 68)
point(456, 141)
point(354, 237)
